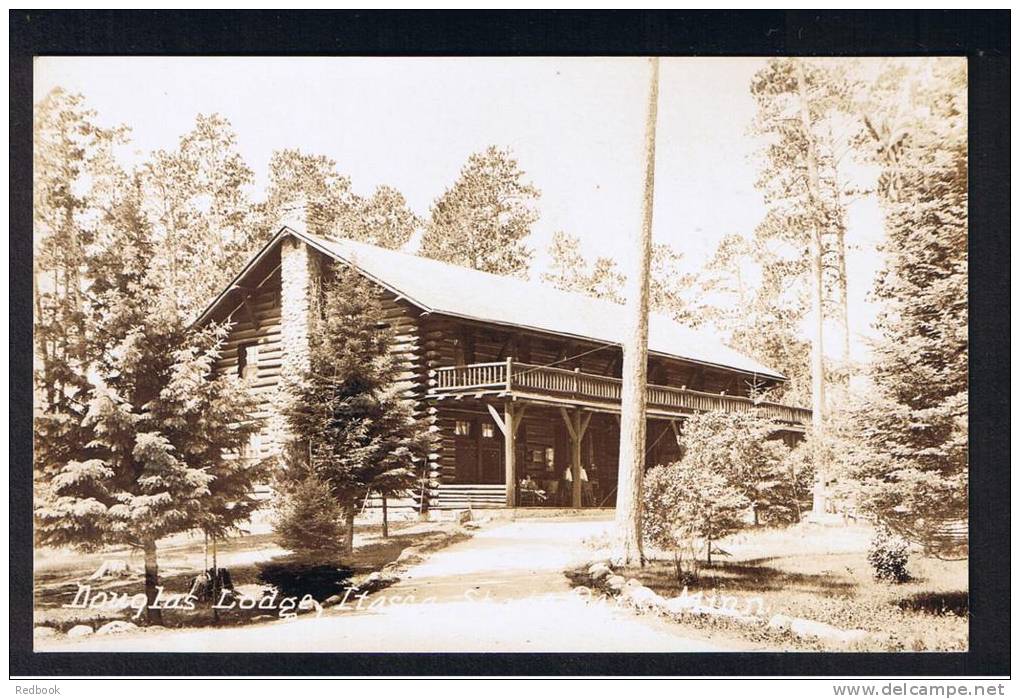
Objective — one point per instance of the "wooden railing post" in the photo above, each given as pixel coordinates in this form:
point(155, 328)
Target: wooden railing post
point(509, 373)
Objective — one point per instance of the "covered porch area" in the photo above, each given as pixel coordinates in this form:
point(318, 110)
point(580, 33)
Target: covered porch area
point(520, 435)
point(528, 454)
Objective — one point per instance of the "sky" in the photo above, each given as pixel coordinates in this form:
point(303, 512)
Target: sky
point(576, 126)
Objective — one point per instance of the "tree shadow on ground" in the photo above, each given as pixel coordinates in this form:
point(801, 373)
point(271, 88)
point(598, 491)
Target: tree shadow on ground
point(749, 576)
point(956, 603)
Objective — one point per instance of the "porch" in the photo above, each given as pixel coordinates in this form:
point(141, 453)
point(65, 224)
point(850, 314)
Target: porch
point(518, 435)
point(552, 385)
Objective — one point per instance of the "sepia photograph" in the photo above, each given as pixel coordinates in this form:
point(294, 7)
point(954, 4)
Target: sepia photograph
point(500, 354)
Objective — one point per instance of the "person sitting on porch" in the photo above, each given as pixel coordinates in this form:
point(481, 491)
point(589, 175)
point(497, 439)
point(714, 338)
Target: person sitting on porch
point(531, 494)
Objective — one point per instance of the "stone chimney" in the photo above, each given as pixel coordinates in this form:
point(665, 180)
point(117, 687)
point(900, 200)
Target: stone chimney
point(298, 272)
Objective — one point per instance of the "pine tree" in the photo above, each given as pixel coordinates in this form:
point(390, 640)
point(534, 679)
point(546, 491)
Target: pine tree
point(149, 454)
point(601, 278)
point(796, 101)
point(355, 430)
point(913, 472)
point(196, 197)
point(333, 210)
point(569, 271)
point(73, 171)
point(483, 220)
point(756, 303)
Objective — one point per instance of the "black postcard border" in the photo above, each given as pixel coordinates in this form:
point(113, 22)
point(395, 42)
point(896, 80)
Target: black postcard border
point(982, 36)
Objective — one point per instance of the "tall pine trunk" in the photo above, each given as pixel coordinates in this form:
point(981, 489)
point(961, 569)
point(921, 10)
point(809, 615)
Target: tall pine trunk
point(153, 614)
point(385, 519)
point(635, 364)
point(817, 289)
point(349, 531)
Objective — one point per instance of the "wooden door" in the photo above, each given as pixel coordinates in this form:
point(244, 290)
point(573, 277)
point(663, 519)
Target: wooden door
point(466, 446)
point(491, 453)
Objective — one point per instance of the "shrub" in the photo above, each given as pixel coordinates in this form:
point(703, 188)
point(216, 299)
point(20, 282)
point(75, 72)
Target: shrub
point(888, 557)
point(296, 576)
point(686, 507)
point(311, 521)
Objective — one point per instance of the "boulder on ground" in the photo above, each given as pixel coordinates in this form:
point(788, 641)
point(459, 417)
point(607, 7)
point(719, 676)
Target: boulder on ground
point(780, 622)
point(112, 568)
point(79, 631)
point(44, 632)
point(616, 582)
point(599, 570)
point(332, 601)
point(116, 627)
point(825, 632)
point(641, 596)
point(263, 617)
point(409, 555)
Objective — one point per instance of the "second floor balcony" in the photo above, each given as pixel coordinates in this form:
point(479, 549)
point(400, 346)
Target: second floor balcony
point(563, 386)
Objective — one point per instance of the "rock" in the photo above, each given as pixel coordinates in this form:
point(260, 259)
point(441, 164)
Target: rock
point(780, 622)
point(44, 632)
point(641, 596)
point(112, 568)
point(263, 617)
point(826, 632)
point(679, 605)
point(597, 571)
point(409, 555)
point(116, 627)
point(616, 582)
point(472, 525)
point(332, 600)
point(79, 631)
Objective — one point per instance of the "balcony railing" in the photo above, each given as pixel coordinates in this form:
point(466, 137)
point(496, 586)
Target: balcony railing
point(512, 377)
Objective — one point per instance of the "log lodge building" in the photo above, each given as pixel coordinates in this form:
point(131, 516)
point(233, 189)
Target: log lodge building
point(520, 381)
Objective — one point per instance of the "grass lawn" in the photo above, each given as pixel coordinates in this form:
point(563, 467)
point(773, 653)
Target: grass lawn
point(820, 572)
point(58, 572)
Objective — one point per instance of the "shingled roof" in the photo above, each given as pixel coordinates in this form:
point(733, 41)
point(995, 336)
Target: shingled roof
point(439, 287)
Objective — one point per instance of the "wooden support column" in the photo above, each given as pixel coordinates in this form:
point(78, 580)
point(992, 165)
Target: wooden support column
point(508, 424)
point(577, 425)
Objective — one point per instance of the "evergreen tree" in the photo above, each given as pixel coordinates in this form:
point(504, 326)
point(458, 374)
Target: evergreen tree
point(333, 210)
point(796, 102)
point(602, 279)
point(913, 472)
point(483, 220)
point(152, 452)
point(196, 198)
point(757, 304)
point(73, 168)
point(355, 429)
point(569, 271)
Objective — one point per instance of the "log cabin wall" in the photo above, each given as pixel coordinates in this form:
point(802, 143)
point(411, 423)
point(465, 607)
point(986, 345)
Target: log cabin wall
point(253, 348)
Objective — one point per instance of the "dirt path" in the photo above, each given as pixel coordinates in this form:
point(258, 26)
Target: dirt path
point(502, 590)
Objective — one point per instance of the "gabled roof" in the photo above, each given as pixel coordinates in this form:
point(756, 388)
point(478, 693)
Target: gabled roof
point(439, 287)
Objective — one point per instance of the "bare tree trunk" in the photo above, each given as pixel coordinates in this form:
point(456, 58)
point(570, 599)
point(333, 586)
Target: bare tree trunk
point(153, 614)
point(844, 316)
point(349, 531)
point(635, 363)
point(385, 519)
point(215, 583)
point(817, 321)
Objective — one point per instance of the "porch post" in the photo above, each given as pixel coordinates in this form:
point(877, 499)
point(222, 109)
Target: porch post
point(575, 460)
point(510, 451)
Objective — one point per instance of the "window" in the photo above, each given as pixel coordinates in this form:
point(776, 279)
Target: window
point(462, 428)
point(488, 430)
point(247, 360)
